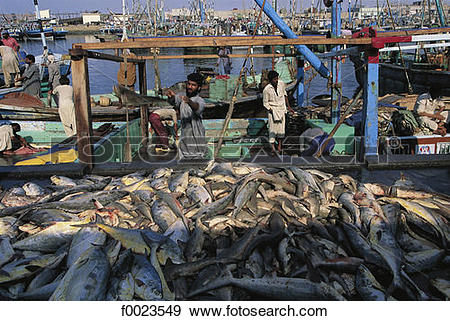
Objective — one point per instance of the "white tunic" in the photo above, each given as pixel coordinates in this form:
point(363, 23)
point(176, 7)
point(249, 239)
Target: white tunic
point(66, 108)
point(274, 100)
point(6, 133)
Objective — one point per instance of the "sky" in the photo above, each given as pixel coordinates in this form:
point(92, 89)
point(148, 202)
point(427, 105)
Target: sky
point(24, 6)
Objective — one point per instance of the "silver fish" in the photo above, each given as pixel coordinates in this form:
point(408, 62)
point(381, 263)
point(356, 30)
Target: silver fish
point(33, 189)
point(84, 239)
point(179, 183)
point(146, 279)
point(198, 194)
point(6, 251)
point(86, 279)
point(277, 288)
point(367, 286)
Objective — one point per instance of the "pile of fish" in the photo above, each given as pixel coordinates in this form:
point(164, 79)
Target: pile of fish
point(225, 232)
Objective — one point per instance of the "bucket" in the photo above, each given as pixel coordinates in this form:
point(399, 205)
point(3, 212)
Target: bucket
point(105, 101)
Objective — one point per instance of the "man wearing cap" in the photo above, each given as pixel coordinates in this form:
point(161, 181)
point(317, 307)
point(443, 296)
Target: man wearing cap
point(190, 108)
point(10, 41)
point(275, 100)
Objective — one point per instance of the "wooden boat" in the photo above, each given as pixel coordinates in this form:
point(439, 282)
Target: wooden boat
point(392, 79)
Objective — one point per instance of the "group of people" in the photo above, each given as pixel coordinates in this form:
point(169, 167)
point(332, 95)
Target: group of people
point(189, 108)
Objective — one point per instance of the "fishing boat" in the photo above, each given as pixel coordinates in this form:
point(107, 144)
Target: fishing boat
point(421, 76)
point(35, 34)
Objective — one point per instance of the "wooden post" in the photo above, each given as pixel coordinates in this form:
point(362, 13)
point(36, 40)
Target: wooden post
point(81, 95)
point(144, 109)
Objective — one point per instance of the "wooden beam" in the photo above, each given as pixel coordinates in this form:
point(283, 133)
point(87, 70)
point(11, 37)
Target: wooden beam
point(180, 42)
point(78, 51)
point(144, 109)
point(213, 56)
point(82, 102)
point(412, 32)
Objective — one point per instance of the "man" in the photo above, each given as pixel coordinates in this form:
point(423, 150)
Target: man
point(156, 118)
point(53, 78)
point(31, 78)
point(10, 64)
point(224, 61)
point(275, 100)
point(431, 112)
point(190, 109)
point(66, 108)
point(9, 139)
point(10, 41)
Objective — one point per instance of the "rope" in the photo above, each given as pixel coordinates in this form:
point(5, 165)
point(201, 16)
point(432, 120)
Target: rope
point(236, 88)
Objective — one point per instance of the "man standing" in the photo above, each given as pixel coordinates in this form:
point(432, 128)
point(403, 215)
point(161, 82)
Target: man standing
point(10, 64)
point(156, 118)
point(66, 108)
point(191, 107)
point(10, 41)
point(224, 61)
point(275, 100)
point(31, 78)
point(53, 78)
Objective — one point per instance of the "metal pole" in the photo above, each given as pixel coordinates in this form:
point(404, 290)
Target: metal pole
point(202, 11)
point(124, 26)
point(370, 107)
point(335, 64)
point(300, 80)
point(305, 51)
point(350, 21)
point(440, 13)
point(38, 17)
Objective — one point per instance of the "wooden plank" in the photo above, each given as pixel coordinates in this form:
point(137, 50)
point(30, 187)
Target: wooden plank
point(412, 32)
point(211, 56)
point(99, 55)
point(217, 42)
point(82, 102)
point(144, 109)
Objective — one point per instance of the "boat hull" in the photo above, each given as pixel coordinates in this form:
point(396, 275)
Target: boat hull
point(393, 80)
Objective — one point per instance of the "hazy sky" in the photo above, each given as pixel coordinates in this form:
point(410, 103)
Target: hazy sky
point(22, 6)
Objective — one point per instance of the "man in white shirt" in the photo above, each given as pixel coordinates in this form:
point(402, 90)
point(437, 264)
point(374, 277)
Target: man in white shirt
point(9, 139)
point(275, 100)
point(431, 112)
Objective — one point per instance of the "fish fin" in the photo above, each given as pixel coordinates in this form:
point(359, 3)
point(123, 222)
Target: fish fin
point(4, 273)
point(33, 268)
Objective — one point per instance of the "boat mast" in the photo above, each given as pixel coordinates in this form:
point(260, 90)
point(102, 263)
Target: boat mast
point(38, 17)
point(202, 11)
point(124, 26)
point(441, 13)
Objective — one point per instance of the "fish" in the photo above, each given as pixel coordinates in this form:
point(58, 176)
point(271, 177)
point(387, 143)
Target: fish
point(423, 260)
point(6, 251)
point(42, 293)
point(161, 172)
point(244, 195)
point(198, 194)
point(346, 200)
point(367, 286)
point(26, 267)
point(132, 239)
point(131, 98)
point(159, 184)
point(179, 183)
point(8, 228)
point(163, 215)
point(33, 189)
point(195, 242)
point(126, 288)
point(147, 284)
point(86, 279)
point(278, 288)
point(62, 181)
point(84, 239)
point(51, 238)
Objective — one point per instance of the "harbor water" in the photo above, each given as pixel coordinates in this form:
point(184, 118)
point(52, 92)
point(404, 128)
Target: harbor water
point(103, 74)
